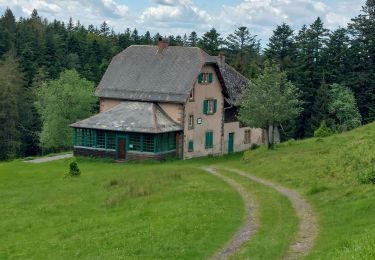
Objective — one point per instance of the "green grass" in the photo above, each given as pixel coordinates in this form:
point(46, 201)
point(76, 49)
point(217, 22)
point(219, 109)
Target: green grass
point(113, 211)
point(325, 171)
point(277, 220)
point(175, 210)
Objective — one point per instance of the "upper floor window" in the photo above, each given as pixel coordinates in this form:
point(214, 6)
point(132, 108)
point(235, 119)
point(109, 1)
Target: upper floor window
point(209, 106)
point(191, 121)
point(191, 97)
point(205, 78)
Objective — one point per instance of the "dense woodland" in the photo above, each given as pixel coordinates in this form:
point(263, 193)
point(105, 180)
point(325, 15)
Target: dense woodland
point(34, 51)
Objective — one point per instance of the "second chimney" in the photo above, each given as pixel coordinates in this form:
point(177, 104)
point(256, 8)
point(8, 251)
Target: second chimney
point(162, 44)
point(221, 59)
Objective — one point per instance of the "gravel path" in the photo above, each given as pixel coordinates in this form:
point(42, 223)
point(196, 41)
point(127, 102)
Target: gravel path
point(51, 158)
point(308, 227)
point(247, 229)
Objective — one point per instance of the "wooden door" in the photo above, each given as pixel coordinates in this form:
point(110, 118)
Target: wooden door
point(231, 143)
point(121, 148)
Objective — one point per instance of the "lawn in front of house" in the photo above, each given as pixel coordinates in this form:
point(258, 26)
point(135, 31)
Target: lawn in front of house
point(114, 211)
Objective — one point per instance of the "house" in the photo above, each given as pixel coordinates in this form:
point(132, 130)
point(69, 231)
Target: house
point(160, 101)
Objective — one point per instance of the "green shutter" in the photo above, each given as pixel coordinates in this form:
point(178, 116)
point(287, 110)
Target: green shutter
point(215, 105)
point(210, 77)
point(191, 146)
point(205, 106)
point(209, 140)
point(200, 78)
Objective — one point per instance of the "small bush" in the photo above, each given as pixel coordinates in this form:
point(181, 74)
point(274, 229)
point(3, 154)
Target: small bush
point(74, 171)
point(254, 147)
point(323, 130)
point(316, 189)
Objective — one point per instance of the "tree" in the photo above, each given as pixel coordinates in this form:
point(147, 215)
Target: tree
point(343, 109)
point(243, 49)
point(269, 101)
point(309, 71)
point(104, 29)
point(282, 47)
point(193, 39)
point(61, 102)
point(362, 56)
point(11, 85)
point(211, 42)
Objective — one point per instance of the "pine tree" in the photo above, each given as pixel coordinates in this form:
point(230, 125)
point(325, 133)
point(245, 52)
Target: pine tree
point(362, 56)
point(11, 85)
point(193, 39)
point(243, 51)
point(282, 48)
point(104, 29)
point(211, 42)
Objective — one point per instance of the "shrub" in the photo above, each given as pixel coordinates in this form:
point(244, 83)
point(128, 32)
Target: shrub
point(367, 176)
point(254, 147)
point(74, 171)
point(323, 130)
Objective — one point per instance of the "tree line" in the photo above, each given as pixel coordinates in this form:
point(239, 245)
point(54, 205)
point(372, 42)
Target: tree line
point(35, 51)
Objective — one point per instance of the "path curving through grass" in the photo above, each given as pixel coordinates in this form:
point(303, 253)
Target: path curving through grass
point(248, 228)
point(308, 227)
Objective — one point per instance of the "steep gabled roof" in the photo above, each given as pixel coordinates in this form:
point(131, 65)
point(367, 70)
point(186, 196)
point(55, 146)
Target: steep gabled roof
point(142, 73)
point(131, 116)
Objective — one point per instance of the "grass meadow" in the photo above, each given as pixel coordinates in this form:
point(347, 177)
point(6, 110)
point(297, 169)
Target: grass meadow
point(174, 210)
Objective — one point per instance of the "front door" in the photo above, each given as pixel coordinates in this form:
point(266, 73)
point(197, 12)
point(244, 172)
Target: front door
point(231, 143)
point(121, 148)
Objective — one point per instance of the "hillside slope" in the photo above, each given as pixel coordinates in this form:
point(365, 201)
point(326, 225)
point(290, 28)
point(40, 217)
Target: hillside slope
point(327, 173)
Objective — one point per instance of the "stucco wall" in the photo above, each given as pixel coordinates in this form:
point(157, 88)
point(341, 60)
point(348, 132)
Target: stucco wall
point(209, 122)
point(239, 136)
point(175, 111)
point(107, 103)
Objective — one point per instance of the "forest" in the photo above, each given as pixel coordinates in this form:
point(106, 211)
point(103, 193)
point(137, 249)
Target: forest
point(35, 51)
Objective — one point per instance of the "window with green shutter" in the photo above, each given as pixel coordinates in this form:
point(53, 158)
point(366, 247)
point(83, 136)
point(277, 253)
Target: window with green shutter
point(209, 106)
point(191, 146)
point(200, 78)
point(209, 139)
point(210, 77)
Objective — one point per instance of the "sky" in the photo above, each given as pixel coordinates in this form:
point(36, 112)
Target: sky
point(183, 16)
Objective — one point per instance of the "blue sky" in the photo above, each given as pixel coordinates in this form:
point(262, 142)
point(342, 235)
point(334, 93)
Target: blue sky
point(183, 16)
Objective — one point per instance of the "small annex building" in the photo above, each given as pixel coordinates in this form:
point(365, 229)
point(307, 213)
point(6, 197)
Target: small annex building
point(161, 101)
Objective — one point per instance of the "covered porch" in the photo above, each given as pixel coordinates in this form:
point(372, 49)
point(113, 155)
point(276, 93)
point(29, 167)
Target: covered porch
point(129, 131)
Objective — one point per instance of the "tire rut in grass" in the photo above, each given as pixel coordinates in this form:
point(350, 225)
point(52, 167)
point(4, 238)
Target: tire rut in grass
point(308, 227)
point(247, 229)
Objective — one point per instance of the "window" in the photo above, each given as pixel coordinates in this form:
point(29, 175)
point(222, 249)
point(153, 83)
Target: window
point(209, 139)
point(79, 137)
point(191, 98)
point(247, 138)
point(111, 140)
point(205, 78)
point(191, 146)
point(191, 121)
point(135, 142)
point(100, 139)
point(148, 144)
point(209, 106)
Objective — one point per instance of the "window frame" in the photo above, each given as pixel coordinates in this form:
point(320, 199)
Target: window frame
point(192, 95)
point(247, 136)
point(209, 140)
point(191, 122)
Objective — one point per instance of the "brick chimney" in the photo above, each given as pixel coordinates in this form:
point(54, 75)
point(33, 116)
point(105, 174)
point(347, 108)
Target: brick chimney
point(221, 59)
point(162, 44)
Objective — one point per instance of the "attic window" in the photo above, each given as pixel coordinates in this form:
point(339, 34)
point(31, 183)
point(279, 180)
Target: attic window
point(191, 98)
point(205, 78)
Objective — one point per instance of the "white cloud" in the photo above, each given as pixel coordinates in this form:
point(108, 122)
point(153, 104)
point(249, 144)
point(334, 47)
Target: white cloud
point(184, 16)
point(177, 14)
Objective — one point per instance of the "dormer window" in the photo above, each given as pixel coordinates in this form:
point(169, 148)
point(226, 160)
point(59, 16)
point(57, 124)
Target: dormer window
point(205, 78)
